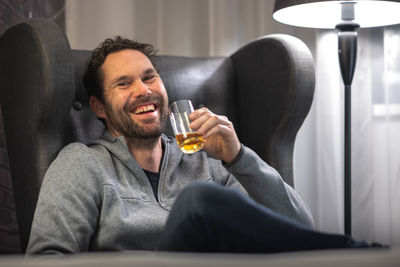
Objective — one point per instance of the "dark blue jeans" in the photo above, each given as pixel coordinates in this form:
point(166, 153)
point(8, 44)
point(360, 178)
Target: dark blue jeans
point(209, 218)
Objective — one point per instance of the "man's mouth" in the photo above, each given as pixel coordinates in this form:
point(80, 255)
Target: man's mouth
point(144, 109)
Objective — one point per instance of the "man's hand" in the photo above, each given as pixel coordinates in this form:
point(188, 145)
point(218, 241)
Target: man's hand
point(221, 141)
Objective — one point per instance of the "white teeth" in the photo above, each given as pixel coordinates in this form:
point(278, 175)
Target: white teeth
point(144, 109)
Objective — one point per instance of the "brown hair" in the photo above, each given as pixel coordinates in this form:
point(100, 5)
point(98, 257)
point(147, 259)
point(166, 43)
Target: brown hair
point(91, 79)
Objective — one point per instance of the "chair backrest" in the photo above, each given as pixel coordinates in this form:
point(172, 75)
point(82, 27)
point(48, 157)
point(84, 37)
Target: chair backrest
point(265, 88)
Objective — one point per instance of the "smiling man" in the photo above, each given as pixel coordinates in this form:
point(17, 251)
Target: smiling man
point(134, 104)
point(117, 192)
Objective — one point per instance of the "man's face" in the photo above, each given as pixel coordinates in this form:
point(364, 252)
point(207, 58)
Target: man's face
point(136, 102)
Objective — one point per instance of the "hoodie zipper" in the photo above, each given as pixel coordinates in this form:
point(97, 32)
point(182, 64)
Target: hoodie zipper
point(162, 174)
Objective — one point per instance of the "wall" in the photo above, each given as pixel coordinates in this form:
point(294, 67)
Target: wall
point(176, 27)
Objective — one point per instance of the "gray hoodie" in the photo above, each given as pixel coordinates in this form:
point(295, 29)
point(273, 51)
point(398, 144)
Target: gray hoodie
point(97, 198)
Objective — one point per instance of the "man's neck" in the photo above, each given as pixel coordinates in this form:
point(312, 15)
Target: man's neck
point(147, 152)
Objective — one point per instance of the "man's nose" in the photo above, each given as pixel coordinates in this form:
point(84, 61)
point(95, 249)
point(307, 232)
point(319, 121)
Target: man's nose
point(140, 89)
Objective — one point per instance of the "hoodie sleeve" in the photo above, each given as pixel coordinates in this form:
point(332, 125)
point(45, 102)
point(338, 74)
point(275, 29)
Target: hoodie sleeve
point(265, 185)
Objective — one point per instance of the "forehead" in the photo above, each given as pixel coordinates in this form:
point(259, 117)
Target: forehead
point(125, 62)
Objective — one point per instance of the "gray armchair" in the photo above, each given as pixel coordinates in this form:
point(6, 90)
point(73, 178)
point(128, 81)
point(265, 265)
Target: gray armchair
point(265, 88)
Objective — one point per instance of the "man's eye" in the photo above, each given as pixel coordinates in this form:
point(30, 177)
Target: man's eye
point(123, 84)
point(150, 79)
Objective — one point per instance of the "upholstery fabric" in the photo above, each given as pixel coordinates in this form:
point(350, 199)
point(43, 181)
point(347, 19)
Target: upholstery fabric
point(265, 88)
point(275, 79)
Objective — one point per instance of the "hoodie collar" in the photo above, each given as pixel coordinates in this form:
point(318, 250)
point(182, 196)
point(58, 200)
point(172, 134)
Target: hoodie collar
point(119, 148)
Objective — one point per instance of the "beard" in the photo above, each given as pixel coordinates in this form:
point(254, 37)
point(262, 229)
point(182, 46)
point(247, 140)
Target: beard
point(122, 122)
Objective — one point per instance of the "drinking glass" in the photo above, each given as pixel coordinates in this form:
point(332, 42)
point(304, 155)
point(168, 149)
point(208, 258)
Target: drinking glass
point(188, 140)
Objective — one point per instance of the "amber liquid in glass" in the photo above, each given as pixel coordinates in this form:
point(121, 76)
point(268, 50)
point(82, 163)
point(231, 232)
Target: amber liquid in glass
point(190, 142)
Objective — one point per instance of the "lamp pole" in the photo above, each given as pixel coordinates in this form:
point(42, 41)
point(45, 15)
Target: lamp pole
point(347, 52)
point(323, 14)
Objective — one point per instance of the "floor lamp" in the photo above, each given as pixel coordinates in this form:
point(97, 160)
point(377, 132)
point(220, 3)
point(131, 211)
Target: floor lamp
point(346, 17)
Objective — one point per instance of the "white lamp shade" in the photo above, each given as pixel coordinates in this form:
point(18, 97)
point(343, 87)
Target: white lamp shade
point(327, 14)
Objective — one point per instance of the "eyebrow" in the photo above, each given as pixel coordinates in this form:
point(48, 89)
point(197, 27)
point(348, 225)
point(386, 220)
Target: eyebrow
point(149, 71)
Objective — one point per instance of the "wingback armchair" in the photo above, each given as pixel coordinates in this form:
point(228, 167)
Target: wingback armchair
point(265, 88)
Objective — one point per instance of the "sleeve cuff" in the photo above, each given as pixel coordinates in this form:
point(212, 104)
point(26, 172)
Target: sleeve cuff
point(238, 157)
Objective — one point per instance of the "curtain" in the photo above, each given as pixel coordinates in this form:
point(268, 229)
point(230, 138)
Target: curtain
point(375, 131)
point(220, 27)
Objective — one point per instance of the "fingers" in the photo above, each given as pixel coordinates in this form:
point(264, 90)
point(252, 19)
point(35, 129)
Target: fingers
point(198, 117)
point(207, 123)
point(221, 141)
point(217, 129)
point(198, 113)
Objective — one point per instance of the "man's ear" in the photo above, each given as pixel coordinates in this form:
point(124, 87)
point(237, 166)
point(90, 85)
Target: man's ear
point(97, 106)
